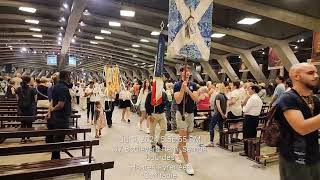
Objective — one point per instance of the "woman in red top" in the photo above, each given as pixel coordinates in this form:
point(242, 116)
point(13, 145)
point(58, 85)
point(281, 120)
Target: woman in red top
point(204, 99)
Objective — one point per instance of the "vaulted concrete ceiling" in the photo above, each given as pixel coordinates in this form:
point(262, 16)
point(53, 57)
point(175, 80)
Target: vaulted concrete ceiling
point(68, 27)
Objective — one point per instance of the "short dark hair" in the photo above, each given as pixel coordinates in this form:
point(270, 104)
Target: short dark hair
point(289, 83)
point(38, 80)
point(255, 88)
point(64, 75)
point(236, 84)
point(281, 78)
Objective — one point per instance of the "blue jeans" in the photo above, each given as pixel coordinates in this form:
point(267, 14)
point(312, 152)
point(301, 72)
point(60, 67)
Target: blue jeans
point(216, 118)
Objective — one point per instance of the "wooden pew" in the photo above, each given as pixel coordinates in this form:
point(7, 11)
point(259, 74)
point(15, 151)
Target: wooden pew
point(224, 141)
point(7, 133)
point(13, 120)
point(51, 168)
point(203, 115)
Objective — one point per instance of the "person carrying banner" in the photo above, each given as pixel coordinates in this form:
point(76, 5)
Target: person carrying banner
point(156, 115)
point(185, 95)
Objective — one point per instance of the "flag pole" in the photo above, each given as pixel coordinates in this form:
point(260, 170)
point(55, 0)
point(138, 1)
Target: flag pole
point(184, 94)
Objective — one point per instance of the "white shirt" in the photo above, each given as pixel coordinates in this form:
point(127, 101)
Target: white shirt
point(94, 96)
point(253, 106)
point(236, 108)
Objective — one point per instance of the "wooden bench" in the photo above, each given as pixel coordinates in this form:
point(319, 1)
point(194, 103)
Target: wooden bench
point(13, 120)
point(203, 115)
point(51, 168)
point(7, 133)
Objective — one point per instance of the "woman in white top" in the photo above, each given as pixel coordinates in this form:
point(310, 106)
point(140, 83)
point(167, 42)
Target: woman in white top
point(83, 99)
point(141, 101)
point(251, 109)
point(91, 93)
point(125, 103)
point(110, 95)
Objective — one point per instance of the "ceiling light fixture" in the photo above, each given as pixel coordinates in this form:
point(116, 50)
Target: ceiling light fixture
point(135, 46)
point(144, 40)
point(35, 29)
point(62, 19)
point(134, 56)
point(249, 21)
point(32, 21)
point(60, 38)
point(34, 52)
point(59, 42)
point(28, 9)
point(65, 5)
point(126, 49)
point(11, 48)
point(302, 40)
point(82, 23)
point(23, 49)
point(155, 33)
point(217, 35)
point(127, 13)
point(86, 12)
point(105, 31)
point(37, 35)
point(73, 40)
point(99, 37)
point(60, 34)
point(115, 24)
point(136, 64)
point(79, 30)
point(61, 28)
point(296, 47)
point(143, 63)
point(93, 42)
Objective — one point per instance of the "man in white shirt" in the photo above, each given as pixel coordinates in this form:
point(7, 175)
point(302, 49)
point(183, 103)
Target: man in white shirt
point(90, 93)
point(251, 110)
point(278, 91)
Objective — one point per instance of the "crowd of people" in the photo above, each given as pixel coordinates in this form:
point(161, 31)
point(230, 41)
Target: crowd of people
point(297, 110)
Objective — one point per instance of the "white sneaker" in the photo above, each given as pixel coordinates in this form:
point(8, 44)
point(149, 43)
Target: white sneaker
point(189, 169)
point(148, 131)
point(177, 159)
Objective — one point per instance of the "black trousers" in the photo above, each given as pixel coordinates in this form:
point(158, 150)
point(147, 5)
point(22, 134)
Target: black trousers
point(90, 107)
point(57, 124)
point(109, 107)
point(250, 125)
point(26, 124)
point(78, 99)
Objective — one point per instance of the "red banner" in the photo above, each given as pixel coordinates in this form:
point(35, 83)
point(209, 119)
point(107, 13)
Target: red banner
point(274, 62)
point(315, 56)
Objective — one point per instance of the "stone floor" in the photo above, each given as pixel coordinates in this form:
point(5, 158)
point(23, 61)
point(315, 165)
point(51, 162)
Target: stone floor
point(209, 164)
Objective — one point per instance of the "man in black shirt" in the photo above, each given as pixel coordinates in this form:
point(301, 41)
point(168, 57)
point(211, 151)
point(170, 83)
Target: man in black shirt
point(299, 120)
point(61, 109)
point(156, 116)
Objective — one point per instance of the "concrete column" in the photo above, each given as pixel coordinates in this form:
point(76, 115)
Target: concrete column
point(135, 74)
point(129, 74)
point(224, 63)
point(208, 69)
point(26, 72)
point(196, 75)
point(171, 73)
point(34, 73)
point(244, 75)
point(42, 73)
point(287, 56)
point(150, 72)
point(206, 77)
point(144, 76)
point(252, 65)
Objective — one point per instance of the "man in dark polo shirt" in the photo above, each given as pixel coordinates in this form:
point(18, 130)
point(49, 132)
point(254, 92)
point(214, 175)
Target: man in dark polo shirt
point(185, 95)
point(299, 119)
point(61, 109)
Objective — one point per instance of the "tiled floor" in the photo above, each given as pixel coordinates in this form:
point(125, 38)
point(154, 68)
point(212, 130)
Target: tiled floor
point(212, 164)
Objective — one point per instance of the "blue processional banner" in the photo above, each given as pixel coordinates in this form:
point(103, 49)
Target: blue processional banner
point(190, 29)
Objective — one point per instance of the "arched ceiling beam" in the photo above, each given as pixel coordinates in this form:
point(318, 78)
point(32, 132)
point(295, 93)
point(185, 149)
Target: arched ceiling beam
point(73, 21)
point(274, 13)
point(40, 8)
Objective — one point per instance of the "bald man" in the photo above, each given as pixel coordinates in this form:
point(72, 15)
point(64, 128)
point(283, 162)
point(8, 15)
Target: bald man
point(299, 122)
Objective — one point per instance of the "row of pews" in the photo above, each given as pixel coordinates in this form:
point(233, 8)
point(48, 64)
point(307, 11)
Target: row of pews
point(226, 141)
point(10, 128)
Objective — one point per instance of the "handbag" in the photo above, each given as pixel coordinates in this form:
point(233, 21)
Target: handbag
point(271, 129)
